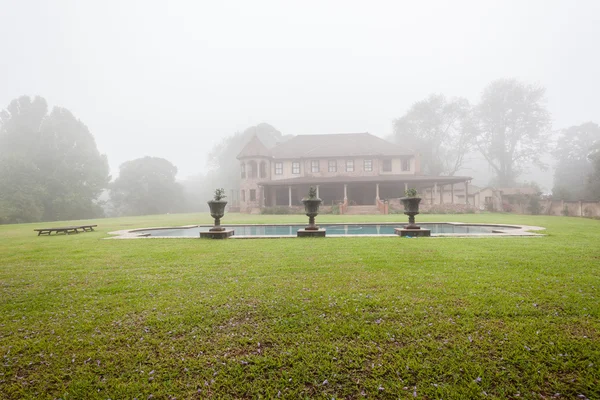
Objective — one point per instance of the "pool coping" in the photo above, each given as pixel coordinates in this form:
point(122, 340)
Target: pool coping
point(515, 230)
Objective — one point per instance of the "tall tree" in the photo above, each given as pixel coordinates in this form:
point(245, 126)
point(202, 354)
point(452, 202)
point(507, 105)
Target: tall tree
point(74, 171)
point(512, 128)
point(21, 192)
point(439, 129)
point(20, 126)
point(146, 186)
point(57, 156)
point(574, 166)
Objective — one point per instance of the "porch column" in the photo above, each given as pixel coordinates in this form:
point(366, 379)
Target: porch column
point(261, 196)
point(345, 192)
point(442, 194)
point(452, 193)
point(467, 192)
point(273, 193)
point(377, 191)
point(434, 192)
point(317, 191)
point(405, 186)
point(289, 196)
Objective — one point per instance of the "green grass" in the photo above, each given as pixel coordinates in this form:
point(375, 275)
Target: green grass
point(85, 318)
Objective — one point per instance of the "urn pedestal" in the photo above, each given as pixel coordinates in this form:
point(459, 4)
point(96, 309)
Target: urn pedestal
point(411, 208)
point(217, 211)
point(311, 208)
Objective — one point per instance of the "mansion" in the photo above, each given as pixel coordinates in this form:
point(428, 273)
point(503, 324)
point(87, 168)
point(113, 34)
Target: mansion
point(351, 171)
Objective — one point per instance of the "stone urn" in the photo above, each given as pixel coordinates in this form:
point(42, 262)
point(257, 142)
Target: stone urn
point(217, 210)
point(411, 208)
point(311, 207)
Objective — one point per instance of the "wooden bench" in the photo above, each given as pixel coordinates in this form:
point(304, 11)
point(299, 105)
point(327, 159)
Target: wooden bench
point(65, 229)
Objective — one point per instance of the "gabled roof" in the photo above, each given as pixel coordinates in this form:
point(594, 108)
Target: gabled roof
point(254, 148)
point(337, 145)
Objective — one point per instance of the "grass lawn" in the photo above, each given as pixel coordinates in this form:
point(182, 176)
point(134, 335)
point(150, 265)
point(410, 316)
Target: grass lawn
point(85, 318)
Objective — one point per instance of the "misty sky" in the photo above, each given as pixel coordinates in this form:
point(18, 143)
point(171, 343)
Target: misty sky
point(171, 78)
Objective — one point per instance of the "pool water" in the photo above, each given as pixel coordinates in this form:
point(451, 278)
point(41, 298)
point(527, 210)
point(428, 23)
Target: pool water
point(336, 229)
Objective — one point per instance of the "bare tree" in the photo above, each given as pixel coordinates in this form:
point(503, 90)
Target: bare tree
point(513, 127)
point(440, 130)
point(574, 165)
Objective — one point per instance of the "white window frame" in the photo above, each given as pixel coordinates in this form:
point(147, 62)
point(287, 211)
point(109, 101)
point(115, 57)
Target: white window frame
point(405, 164)
point(332, 166)
point(296, 167)
point(349, 165)
point(315, 166)
point(278, 168)
point(369, 163)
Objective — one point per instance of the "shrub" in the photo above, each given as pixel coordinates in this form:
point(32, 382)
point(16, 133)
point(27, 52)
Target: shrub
point(219, 194)
point(535, 207)
point(277, 210)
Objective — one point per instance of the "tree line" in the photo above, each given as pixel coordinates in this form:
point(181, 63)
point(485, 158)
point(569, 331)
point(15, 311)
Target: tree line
point(51, 169)
point(510, 127)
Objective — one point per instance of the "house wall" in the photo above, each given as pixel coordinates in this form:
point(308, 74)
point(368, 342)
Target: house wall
point(305, 167)
point(248, 184)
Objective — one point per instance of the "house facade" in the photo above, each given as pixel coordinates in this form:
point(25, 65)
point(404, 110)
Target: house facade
point(348, 170)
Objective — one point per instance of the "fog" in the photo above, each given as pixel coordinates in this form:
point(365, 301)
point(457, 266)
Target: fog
point(172, 79)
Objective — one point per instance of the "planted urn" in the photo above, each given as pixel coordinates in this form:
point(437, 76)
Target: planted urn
point(411, 201)
point(217, 209)
point(311, 208)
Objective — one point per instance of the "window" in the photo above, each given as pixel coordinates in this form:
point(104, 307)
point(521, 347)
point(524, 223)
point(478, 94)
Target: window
point(314, 166)
point(263, 169)
point(332, 166)
point(349, 165)
point(243, 196)
point(278, 168)
point(295, 167)
point(406, 164)
point(368, 165)
point(252, 194)
point(387, 165)
point(252, 170)
point(243, 170)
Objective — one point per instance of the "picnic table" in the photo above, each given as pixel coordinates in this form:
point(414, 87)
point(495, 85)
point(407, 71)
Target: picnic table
point(65, 229)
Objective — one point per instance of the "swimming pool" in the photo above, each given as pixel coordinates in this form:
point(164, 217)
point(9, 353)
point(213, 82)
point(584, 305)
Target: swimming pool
point(382, 229)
